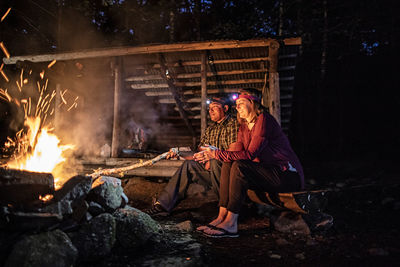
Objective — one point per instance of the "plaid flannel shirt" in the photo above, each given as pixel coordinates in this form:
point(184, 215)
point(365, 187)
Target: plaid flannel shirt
point(222, 134)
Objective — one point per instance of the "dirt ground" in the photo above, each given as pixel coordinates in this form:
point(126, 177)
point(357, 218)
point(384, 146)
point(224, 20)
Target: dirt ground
point(364, 201)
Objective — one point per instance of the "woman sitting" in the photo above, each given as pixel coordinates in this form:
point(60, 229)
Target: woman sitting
point(266, 162)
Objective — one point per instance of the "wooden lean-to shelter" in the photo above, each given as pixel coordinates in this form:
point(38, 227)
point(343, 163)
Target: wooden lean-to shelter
point(181, 76)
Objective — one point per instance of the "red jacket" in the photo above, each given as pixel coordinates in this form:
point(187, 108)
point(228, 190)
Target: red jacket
point(264, 143)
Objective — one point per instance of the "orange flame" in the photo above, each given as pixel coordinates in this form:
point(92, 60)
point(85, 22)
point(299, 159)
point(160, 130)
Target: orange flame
point(47, 154)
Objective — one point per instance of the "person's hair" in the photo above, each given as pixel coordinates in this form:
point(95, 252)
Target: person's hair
point(255, 99)
point(224, 101)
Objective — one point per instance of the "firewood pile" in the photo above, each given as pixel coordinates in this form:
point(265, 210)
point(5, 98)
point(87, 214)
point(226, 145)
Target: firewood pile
point(82, 221)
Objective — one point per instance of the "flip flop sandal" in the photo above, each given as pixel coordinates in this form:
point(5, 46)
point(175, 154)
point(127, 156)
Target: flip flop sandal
point(223, 233)
point(207, 226)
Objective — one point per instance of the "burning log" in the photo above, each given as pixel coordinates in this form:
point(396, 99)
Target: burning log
point(131, 167)
point(20, 187)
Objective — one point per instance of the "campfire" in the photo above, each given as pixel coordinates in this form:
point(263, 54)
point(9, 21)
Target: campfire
point(47, 155)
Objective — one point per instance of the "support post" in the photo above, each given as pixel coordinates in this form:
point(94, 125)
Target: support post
point(116, 65)
point(203, 71)
point(274, 103)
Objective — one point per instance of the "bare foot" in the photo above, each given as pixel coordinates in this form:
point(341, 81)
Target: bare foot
point(224, 226)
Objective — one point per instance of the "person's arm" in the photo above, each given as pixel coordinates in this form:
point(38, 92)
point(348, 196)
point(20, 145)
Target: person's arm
point(237, 146)
point(258, 142)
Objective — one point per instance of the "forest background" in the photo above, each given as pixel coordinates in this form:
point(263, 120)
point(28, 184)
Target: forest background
point(346, 99)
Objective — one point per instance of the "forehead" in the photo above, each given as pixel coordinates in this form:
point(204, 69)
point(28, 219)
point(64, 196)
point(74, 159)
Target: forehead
point(242, 101)
point(215, 105)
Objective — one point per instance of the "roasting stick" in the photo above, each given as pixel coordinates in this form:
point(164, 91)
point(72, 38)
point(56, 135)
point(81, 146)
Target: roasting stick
point(150, 162)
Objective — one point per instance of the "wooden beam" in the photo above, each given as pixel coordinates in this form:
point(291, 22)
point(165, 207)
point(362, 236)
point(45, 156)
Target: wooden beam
point(177, 100)
point(203, 113)
point(193, 75)
point(197, 84)
point(117, 71)
point(198, 62)
point(292, 41)
point(243, 81)
point(274, 92)
point(193, 92)
point(150, 86)
point(172, 100)
point(142, 49)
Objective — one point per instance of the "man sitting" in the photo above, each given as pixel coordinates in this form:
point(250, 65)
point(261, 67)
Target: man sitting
point(222, 133)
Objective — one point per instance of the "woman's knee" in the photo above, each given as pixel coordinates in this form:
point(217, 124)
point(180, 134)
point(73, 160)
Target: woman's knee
point(239, 165)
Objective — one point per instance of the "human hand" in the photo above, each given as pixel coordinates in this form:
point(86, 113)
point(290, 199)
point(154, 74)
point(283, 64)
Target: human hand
point(206, 154)
point(173, 153)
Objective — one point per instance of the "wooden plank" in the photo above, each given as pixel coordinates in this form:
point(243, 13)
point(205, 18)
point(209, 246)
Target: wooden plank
point(117, 71)
point(152, 171)
point(203, 72)
point(142, 49)
point(288, 56)
point(22, 187)
point(193, 75)
point(274, 92)
point(292, 41)
point(198, 62)
point(198, 84)
point(172, 100)
point(192, 92)
point(150, 86)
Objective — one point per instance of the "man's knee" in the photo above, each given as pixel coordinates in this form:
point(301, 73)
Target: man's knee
point(190, 163)
point(215, 164)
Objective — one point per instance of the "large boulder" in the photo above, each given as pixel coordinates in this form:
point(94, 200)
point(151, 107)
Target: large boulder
point(96, 238)
point(71, 196)
point(107, 191)
point(136, 228)
point(53, 249)
point(289, 222)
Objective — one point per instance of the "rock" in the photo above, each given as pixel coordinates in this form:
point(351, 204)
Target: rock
point(264, 209)
point(73, 192)
point(318, 221)
point(124, 199)
point(300, 256)
point(282, 242)
point(95, 208)
point(311, 181)
point(290, 222)
point(311, 242)
point(168, 261)
point(96, 238)
point(136, 228)
point(53, 249)
point(107, 191)
point(340, 185)
point(185, 226)
point(275, 256)
point(80, 209)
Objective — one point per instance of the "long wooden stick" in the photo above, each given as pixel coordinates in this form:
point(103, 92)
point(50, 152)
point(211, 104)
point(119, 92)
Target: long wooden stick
point(133, 166)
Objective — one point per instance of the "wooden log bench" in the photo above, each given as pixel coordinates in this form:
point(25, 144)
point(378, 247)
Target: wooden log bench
point(295, 209)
